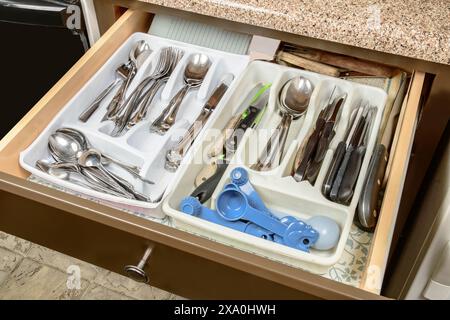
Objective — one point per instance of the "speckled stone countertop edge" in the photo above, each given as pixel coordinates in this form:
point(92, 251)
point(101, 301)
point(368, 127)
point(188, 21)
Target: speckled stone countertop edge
point(414, 29)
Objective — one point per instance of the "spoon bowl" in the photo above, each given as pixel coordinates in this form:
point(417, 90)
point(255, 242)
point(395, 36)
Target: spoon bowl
point(64, 147)
point(59, 170)
point(196, 69)
point(140, 53)
point(295, 96)
point(194, 74)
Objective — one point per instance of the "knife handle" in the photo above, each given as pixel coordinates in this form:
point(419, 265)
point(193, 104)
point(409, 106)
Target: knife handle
point(340, 174)
point(367, 205)
point(333, 169)
point(308, 152)
point(217, 148)
point(324, 142)
point(351, 175)
point(232, 142)
point(204, 191)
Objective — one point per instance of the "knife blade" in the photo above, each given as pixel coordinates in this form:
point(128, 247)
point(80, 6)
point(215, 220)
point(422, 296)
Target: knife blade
point(250, 98)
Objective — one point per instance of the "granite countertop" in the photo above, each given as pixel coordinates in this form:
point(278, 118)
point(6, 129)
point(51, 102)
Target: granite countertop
point(412, 28)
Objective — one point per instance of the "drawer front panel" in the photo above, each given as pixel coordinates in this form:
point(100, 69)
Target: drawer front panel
point(167, 268)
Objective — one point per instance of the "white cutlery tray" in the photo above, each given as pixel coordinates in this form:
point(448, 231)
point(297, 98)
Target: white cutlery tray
point(137, 146)
point(280, 192)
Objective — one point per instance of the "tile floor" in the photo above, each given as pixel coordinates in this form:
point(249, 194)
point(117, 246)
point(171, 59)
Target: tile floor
point(30, 271)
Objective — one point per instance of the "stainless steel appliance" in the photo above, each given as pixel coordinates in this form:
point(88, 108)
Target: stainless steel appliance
point(41, 40)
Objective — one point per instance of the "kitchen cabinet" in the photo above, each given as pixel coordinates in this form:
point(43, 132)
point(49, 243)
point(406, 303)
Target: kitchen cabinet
point(183, 263)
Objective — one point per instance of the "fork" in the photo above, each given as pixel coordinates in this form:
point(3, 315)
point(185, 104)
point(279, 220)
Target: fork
point(141, 97)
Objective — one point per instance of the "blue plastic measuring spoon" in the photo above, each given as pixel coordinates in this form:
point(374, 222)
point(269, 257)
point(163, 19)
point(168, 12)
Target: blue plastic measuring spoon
point(301, 236)
point(192, 206)
point(233, 205)
point(239, 176)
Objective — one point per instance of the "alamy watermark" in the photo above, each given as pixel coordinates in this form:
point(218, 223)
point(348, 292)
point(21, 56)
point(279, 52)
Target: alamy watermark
point(74, 277)
point(73, 20)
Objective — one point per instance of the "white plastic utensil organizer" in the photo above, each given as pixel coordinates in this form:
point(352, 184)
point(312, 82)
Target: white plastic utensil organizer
point(137, 146)
point(280, 192)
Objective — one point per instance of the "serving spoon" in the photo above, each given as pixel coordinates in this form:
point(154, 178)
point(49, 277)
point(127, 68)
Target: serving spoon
point(293, 101)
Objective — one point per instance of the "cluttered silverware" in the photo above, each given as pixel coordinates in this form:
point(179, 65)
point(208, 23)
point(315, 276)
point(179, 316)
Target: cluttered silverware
point(106, 159)
point(309, 158)
point(346, 164)
point(293, 101)
point(248, 115)
point(92, 159)
point(194, 74)
point(137, 104)
point(141, 51)
point(69, 171)
point(160, 77)
point(65, 148)
point(122, 73)
point(176, 154)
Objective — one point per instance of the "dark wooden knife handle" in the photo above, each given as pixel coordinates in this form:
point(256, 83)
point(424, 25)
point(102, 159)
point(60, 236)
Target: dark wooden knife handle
point(368, 201)
point(351, 175)
point(340, 174)
point(333, 169)
point(308, 152)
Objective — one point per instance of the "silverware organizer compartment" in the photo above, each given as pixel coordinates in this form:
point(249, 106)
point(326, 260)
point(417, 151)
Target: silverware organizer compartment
point(138, 146)
point(279, 191)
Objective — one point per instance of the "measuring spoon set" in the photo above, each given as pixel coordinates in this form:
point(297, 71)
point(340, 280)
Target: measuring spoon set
point(240, 207)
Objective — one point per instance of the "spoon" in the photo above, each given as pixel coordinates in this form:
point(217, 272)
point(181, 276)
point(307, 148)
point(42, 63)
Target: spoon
point(92, 159)
point(194, 73)
point(137, 56)
point(64, 148)
point(63, 171)
point(67, 149)
point(84, 142)
point(293, 101)
point(65, 134)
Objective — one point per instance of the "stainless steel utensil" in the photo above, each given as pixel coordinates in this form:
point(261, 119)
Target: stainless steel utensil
point(122, 73)
point(194, 73)
point(65, 171)
point(137, 56)
point(92, 159)
point(173, 57)
point(248, 118)
point(136, 105)
point(85, 145)
point(317, 143)
point(175, 155)
point(293, 101)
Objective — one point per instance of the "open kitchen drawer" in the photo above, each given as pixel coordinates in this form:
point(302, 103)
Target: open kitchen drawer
point(179, 262)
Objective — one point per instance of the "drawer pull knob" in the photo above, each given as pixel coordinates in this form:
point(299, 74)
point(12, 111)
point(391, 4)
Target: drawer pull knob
point(137, 273)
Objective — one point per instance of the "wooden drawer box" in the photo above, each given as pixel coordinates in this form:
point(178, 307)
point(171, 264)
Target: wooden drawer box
point(180, 262)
